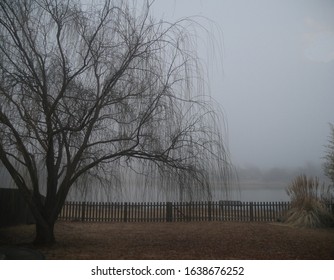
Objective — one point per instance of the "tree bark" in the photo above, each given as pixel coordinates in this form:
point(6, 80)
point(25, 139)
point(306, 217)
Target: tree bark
point(44, 233)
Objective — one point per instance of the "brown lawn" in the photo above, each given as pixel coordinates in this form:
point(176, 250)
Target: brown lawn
point(193, 240)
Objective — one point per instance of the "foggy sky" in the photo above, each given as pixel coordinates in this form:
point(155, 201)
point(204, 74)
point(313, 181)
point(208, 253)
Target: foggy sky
point(276, 83)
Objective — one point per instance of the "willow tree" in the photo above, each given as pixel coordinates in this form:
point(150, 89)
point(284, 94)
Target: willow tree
point(91, 90)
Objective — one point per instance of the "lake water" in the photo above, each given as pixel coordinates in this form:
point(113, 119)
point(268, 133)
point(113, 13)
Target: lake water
point(262, 192)
point(259, 195)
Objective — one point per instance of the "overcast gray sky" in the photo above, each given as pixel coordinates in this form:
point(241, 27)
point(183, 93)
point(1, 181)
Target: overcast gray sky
point(277, 83)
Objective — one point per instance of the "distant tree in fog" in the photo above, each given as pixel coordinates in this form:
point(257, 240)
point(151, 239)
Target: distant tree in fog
point(87, 91)
point(329, 158)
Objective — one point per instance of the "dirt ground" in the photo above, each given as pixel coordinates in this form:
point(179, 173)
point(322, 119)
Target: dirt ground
point(200, 240)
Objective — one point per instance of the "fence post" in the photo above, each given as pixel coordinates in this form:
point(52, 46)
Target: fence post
point(251, 217)
point(209, 210)
point(125, 218)
point(189, 211)
point(83, 211)
point(169, 212)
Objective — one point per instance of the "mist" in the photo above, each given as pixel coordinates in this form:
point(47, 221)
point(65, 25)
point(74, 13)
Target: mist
point(271, 71)
point(260, 184)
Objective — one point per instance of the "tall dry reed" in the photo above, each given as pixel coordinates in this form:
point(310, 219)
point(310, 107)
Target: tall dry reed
point(309, 202)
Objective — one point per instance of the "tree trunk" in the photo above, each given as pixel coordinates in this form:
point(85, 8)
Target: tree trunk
point(44, 233)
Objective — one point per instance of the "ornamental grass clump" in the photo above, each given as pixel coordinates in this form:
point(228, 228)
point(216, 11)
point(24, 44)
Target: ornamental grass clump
point(309, 203)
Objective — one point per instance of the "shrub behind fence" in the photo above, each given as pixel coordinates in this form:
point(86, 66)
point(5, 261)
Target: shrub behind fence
point(174, 211)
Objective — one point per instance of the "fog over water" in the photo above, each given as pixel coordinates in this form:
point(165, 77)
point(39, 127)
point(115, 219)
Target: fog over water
point(254, 184)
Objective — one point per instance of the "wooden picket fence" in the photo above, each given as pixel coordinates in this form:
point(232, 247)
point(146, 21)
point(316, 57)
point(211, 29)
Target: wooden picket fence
point(174, 211)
